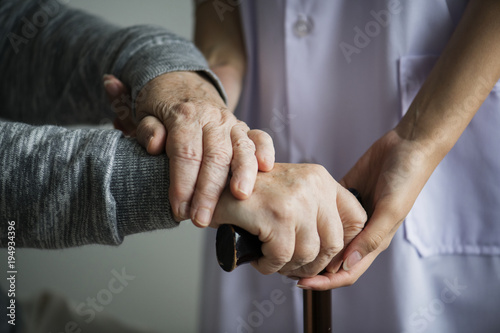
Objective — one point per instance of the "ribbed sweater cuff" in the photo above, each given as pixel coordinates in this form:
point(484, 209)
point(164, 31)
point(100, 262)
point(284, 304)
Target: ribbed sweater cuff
point(156, 60)
point(139, 185)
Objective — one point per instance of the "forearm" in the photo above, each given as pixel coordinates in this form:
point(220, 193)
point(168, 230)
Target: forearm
point(52, 73)
point(458, 84)
point(220, 39)
point(68, 188)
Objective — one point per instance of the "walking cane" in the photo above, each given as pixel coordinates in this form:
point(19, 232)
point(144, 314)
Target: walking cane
point(236, 246)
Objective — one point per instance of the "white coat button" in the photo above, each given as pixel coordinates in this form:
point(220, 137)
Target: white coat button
point(303, 26)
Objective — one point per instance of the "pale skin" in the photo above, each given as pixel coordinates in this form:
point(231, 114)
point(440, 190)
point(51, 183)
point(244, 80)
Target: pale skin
point(391, 174)
point(393, 171)
point(300, 213)
point(183, 114)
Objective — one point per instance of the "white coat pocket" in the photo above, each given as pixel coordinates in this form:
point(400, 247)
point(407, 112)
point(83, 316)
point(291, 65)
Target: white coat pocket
point(458, 211)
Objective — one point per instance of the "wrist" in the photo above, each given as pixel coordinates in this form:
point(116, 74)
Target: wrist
point(435, 120)
point(432, 143)
point(231, 78)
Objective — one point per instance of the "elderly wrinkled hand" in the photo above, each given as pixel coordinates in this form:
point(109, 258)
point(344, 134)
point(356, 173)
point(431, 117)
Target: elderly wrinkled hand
point(300, 213)
point(183, 114)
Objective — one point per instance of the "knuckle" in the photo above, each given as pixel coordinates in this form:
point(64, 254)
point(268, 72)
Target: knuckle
point(374, 241)
point(228, 117)
point(176, 113)
point(385, 244)
point(316, 173)
point(317, 169)
point(330, 251)
point(358, 218)
point(284, 256)
point(305, 255)
point(183, 151)
point(216, 118)
point(320, 171)
point(177, 214)
point(278, 252)
point(244, 145)
point(278, 260)
point(361, 218)
point(240, 125)
point(282, 211)
point(186, 110)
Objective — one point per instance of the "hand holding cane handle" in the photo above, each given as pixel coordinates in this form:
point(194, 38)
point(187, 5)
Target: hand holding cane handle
point(236, 246)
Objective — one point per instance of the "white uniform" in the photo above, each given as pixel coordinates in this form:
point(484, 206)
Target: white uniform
point(326, 79)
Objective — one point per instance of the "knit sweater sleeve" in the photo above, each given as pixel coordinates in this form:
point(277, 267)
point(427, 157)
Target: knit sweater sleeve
point(65, 187)
point(52, 60)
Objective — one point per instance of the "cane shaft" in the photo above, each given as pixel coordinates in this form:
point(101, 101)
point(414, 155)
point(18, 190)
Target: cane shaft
point(317, 311)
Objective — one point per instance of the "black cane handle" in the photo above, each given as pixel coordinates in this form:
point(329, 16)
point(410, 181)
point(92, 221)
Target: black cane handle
point(235, 246)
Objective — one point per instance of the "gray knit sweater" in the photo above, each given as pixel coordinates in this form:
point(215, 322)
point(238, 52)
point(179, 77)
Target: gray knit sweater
point(73, 187)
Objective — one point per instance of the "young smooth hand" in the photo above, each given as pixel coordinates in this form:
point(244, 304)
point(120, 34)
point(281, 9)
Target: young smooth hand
point(389, 177)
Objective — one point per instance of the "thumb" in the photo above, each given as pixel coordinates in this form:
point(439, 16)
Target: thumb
point(351, 212)
point(353, 218)
point(119, 98)
point(374, 238)
point(152, 135)
point(116, 91)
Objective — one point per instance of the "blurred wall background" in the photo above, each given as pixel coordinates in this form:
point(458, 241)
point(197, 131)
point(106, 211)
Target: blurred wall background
point(164, 294)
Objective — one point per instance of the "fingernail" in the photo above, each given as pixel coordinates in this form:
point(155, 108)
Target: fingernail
point(304, 287)
point(111, 87)
point(244, 189)
point(150, 141)
point(352, 260)
point(202, 216)
point(184, 210)
point(105, 77)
